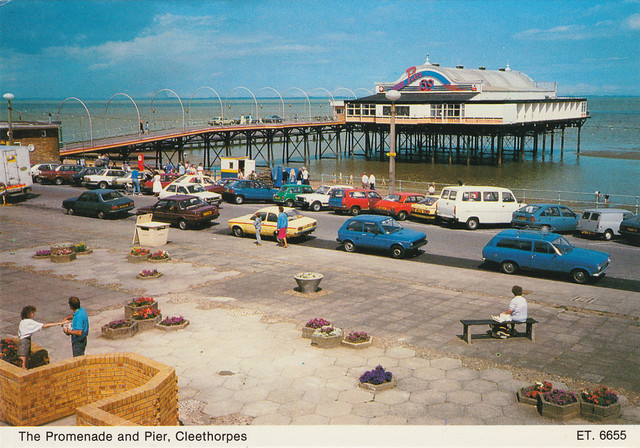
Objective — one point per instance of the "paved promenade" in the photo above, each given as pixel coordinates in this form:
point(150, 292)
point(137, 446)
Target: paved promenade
point(242, 360)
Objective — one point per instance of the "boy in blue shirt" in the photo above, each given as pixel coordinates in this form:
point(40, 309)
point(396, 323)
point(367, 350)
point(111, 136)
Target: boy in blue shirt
point(79, 327)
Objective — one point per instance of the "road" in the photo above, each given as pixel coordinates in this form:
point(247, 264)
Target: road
point(454, 247)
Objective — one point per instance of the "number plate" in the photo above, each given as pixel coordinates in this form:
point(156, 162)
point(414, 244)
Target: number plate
point(207, 213)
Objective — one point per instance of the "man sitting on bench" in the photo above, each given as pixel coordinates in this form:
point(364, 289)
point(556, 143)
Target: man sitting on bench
point(517, 312)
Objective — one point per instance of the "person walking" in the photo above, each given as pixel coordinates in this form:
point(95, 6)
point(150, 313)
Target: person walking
point(282, 224)
point(257, 223)
point(141, 127)
point(26, 329)
point(135, 180)
point(79, 327)
point(157, 185)
point(365, 180)
point(146, 127)
point(372, 181)
point(181, 169)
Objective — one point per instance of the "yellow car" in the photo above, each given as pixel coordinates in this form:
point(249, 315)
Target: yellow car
point(299, 225)
point(425, 209)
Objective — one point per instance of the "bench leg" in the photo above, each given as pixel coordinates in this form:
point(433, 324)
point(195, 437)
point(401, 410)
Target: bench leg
point(531, 332)
point(465, 334)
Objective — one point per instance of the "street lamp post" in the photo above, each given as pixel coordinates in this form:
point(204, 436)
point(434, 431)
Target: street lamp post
point(393, 96)
point(9, 97)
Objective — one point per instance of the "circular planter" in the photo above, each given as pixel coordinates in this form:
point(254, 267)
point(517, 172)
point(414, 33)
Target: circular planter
point(558, 412)
point(308, 282)
point(148, 324)
point(358, 345)
point(322, 340)
point(119, 333)
point(65, 258)
point(129, 310)
point(149, 277)
point(595, 412)
point(41, 257)
point(158, 260)
point(62, 246)
point(137, 258)
point(184, 324)
point(379, 387)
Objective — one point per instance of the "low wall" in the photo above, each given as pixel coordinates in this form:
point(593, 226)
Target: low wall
point(102, 390)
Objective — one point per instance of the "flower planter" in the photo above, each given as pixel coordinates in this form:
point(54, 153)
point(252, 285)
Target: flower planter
point(524, 399)
point(307, 332)
point(379, 387)
point(41, 257)
point(87, 251)
point(149, 277)
point(137, 258)
point(180, 326)
point(558, 412)
point(322, 340)
point(62, 246)
point(62, 258)
point(148, 324)
point(129, 310)
point(119, 333)
point(595, 412)
point(158, 260)
point(308, 282)
point(358, 345)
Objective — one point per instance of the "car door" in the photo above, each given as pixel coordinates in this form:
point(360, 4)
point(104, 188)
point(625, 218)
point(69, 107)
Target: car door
point(374, 197)
point(82, 205)
point(568, 220)
point(352, 231)
point(358, 198)
point(373, 236)
point(270, 224)
point(551, 217)
point(545, 258)
point(160, 211)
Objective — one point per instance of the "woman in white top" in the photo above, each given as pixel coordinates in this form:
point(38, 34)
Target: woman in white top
point(157, 186)
point(27, 327)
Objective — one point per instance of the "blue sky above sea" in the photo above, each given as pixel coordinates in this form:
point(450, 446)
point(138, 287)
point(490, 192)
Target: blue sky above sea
point(93, 49)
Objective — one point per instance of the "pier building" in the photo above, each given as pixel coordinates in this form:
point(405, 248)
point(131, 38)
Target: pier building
point(463, 115)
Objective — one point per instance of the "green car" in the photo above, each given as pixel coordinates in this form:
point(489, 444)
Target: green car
point(101, 203)
point(287, 193)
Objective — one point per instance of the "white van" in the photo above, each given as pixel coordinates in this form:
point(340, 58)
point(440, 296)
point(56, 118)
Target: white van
point(603, 222)
point(15, 177)
point(474, 205)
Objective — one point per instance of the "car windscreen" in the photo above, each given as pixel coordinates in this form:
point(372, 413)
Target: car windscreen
point(429, 200)
point(392, 198)
point(111, 195)
point(531, 209)
point(323, 190)
point(562, 245)
point(293, 214)
point(283, 189)
point(390, 225)
point(191, 203)
point(634, 219)
point(197, 188)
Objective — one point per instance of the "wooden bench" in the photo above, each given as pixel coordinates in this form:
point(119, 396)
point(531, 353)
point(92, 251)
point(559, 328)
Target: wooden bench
point(466, 323)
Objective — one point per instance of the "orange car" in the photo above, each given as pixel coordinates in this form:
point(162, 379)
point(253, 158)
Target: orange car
point(398, 205)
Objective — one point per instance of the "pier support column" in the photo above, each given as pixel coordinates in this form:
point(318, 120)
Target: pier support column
point(578, 148)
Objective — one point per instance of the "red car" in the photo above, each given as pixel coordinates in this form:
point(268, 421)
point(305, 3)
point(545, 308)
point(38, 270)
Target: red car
point(398, 205)
point(165, 179)
point(60, 175)
point(354, 201)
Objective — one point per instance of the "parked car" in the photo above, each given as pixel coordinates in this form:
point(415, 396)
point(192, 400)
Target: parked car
point(189, 189)
point(630, 228)
point(514, 249)
point(206, 181)
point(78, 178)
point(39, 167)
point(272, 119)
point(380, 233)
point(474, 205)
point(287, 193)
point(299, 225)
point(354, 200)
point(60, 175)
point(220, 121)
point(102, 179)
point(602, 222)
point(183, 210)
point(319, 199)
point(100, 203)
point(248, 190)
point(398, 205)
point(146, 185)
point(545, 217)
point(425, 208)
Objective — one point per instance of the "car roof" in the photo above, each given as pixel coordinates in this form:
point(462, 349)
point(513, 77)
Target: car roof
point(180, 197)
point(607, 210)
point(532, 235)
point(273, 209)
point(464, 187)
point(366, 217)
point(100, 190)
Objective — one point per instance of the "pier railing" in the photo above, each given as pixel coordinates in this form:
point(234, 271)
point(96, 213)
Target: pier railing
point(575, 200)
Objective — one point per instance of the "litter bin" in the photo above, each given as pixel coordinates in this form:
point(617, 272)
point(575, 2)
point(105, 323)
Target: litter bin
point(151, 233)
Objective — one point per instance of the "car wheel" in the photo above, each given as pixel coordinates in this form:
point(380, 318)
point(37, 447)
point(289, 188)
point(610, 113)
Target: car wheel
point(237, 231)
point(355, 210)
point(580, 276)
point(238, 199)
point(182, 224)
point(545, 229)
point(316, 206)
point(608, 235)
point(288, 203)
point(508, 267)
point(71, 211)
point(102, 215)
point(349, 246)
point(401, 216)
point(58, 181)
point(37, 179)
point(103, 185)
point(397, 251)
point(472, 223)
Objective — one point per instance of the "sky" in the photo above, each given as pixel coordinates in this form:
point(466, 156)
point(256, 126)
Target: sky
point(93, 49)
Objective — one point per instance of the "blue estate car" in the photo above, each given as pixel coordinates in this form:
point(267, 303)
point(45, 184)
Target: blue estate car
point(545, 217)
point(514, 249)
point(630, 229)
point(100, 202)
point(248, 190)
point(380, 232)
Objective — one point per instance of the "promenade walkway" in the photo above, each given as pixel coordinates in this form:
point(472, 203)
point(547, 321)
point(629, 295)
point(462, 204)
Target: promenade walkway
point(242, 360)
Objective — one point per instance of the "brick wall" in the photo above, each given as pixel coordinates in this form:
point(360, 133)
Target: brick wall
point(110, 389)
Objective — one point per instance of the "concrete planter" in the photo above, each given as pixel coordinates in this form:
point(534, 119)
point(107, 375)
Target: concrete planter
point(129, 310)
point(358, 345)
point(524, 399)
point(137, 258)
point(308, 282)
point(184, 324)
point(62, 258)
point(119, 333)
point(307, 332)
point(62, 246)
point(322, 340)
point(148, 324)
point(379, 387)
point(599, 413)
point(158, 260)
point(558, 412)
point(149, 277)
point(41, 257)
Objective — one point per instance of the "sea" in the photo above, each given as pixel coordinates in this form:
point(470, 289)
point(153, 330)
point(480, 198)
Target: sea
point(609, 159)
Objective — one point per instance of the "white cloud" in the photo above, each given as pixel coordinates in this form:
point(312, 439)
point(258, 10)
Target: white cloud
point(633, 22)
point(565, 32)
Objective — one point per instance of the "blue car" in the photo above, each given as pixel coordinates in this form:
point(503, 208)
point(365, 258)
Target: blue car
point(520, 249)
point(545, 217)
point(630, 229)
point(380, 233)
point(100, 203)
point(248, 190)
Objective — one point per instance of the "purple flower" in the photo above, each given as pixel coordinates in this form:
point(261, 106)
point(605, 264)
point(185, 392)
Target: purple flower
point(376, 376)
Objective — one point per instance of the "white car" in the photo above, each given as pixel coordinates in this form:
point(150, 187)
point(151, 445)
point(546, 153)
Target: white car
point(38, 167)
point(103, 179)
point(319, 199)
point(187, 188)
